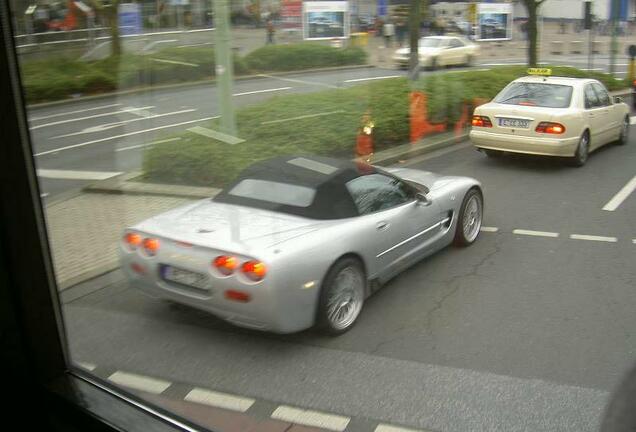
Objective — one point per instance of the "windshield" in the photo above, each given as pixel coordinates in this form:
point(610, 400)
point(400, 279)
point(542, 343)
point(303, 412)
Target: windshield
point(431, 42)
point(536, 94)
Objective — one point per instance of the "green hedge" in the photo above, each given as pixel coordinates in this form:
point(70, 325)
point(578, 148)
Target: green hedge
point(302, 56)
point(325, 123)
point(60, 78)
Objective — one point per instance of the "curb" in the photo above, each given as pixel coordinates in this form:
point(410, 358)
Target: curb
point(408, 151)
point(190, 84)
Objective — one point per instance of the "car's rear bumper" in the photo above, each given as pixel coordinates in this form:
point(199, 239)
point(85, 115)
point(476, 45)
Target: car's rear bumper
point(521, 144)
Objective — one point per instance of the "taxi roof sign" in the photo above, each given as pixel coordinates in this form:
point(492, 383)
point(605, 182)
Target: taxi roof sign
point(540, 71)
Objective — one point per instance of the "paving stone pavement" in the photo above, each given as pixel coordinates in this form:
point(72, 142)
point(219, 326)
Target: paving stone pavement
point(85, 230)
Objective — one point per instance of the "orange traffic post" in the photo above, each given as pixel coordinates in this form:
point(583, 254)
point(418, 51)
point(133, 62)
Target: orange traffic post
point(364, 138)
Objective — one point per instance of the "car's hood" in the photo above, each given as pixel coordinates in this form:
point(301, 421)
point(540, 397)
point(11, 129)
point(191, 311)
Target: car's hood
point(430, 180)
point(422, 51)
point(225, 226)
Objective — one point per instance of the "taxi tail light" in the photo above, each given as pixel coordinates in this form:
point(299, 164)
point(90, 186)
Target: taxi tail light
point(225, 264)
point(151, 246)
point(481, 121)
point(550, 128)
point(132, 240)
point(254, 270)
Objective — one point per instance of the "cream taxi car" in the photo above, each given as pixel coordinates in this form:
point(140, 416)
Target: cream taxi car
point(439, 51)
point(551, 116)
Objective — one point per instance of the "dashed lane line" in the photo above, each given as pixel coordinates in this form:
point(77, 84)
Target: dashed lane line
point(122, 111)
point(150, 144)
point(139, 382)
point(62, 114)
point(311, 418)
point(489, 229)
point(175, 62)
point(298, 81)
point(632, 120)
point(372, 78)
point(219, 400)
point(382, 427)
point(535, 233)
point(87, 143)
point(593, 238)
point(262, 91)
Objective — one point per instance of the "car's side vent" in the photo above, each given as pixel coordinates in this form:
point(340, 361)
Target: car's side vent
point(449, 219)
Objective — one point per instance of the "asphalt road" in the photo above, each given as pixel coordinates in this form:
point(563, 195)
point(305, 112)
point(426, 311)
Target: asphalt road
point(524, 330)
point(77, 143)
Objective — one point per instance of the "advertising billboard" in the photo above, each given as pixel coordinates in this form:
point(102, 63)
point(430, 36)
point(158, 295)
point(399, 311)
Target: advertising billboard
point(494, 21)
point(325, 20)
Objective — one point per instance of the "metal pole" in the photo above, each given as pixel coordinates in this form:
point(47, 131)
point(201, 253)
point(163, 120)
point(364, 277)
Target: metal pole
point(414, 36)
point(224, 67)
point(590, 53)
point(614, 43)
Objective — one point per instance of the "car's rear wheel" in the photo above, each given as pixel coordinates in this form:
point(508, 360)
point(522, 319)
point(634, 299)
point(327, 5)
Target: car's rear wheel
point(470, 216)
point(493, 153)
point(582, 151)
point(624, 136)
point(469, 60)
point(342, 296)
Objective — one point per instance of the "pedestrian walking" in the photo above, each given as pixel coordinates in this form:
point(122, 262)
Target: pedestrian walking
point(270, 32)
point(389, 32)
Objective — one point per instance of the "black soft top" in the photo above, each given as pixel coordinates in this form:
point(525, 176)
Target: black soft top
point(327, 176)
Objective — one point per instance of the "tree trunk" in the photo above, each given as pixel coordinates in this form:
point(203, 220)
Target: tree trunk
point(414, 38)
point(532, 33)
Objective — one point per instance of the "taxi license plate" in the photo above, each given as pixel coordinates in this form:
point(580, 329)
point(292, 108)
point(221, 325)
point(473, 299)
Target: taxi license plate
point(184, 277)
point(514, 123)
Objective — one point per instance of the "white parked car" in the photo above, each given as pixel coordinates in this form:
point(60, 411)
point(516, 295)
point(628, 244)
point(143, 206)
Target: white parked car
point(439, 51)
point(552, 116)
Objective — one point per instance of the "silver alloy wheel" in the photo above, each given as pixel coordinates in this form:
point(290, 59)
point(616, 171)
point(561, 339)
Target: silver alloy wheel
point(583, 149)
point(471, 222)
point(345, 298)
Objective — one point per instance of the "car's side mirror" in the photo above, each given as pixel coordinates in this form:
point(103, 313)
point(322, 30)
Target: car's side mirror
point(422, 199)
point(618, 99)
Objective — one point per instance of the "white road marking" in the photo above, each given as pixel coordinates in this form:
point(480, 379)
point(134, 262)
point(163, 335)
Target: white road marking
point(219, 400)
point(535, 233)
point(311, 418)
point(73, 112)
point(123, 111)
point(469, 70)
point(216, 135)
point(87, 366)
point(141, 112)
point(297, 81)
point(592, 69)
point(76, 175)
point(502, 64)
point(139, 382)
point(593, 238)
point(434, 154)
point(44, 195)
point(87, 143)
point(106, 126)
point(632, 120)
point(621, 195)
point(148, 144)
point(261, 91)
point(489, 229)
point(175, 62)
point(302, 117)
point(634, 241)
point(388, 428)
point(373, 78)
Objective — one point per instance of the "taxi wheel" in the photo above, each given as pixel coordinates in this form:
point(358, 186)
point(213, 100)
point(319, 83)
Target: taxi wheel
point(582, 151)
point(624, 137)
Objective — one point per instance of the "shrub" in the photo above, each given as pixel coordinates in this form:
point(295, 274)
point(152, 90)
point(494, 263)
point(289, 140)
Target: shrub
point(302, 56)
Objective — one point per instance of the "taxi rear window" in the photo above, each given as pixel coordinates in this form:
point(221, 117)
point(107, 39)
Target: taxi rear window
point(536, 94)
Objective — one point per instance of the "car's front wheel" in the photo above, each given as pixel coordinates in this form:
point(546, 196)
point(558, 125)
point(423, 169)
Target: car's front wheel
point(470, 216)
point(342, 296)
point(624, 136)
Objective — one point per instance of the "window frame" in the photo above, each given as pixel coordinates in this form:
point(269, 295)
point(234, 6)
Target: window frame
point(410, 198)
point(600, 90)
point(591, 107)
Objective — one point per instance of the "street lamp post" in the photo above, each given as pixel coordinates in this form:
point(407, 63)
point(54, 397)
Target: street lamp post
point(614, 44)
point(224, 68)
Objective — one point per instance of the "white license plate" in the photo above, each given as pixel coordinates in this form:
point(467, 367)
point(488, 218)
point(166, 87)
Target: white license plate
point(514, 123)
point(184, 277)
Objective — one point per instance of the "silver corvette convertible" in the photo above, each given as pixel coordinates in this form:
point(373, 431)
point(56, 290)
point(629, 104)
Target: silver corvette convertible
point(300, 241)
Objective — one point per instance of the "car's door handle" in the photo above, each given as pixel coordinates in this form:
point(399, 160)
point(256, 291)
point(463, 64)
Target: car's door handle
point(382, 226)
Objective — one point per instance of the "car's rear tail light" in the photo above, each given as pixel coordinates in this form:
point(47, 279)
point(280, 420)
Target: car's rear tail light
point(238, 296)
point(138, 268)
point(481, 121)
point(151, 246)
point(225, 264)
point(550, 128)
point(254, 270)
point(132, 240)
